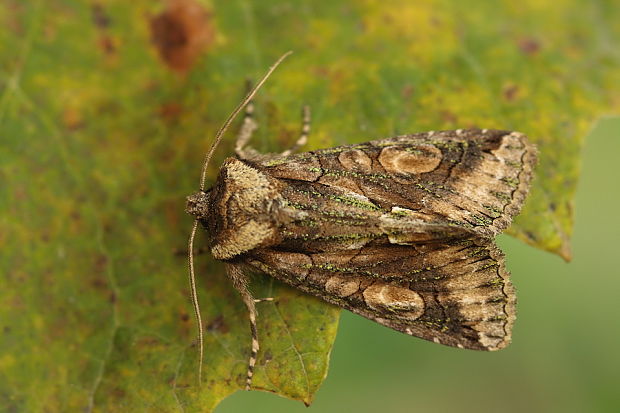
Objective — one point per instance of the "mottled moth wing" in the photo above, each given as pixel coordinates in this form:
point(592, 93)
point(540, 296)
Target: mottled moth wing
point(456, 293)
point(425, 185)
point(401, 230)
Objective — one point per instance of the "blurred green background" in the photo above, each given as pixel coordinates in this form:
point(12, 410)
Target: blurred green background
point(106, 110)
point(565, 353)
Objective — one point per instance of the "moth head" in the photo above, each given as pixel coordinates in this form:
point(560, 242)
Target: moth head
point(240, 212)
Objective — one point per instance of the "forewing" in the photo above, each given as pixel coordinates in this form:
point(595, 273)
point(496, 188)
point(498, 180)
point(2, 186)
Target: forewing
point(457, 293)
point(474, 180)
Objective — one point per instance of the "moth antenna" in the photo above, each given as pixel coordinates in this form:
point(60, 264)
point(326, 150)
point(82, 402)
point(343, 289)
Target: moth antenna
point(194, 294)
point(190, 253)
point(232, 116)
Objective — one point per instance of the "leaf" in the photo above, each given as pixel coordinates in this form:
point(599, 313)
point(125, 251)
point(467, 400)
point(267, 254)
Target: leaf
point(106, 110)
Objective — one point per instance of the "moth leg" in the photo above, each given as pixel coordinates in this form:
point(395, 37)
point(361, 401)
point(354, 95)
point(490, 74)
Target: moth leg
point(260, 300)
point(248, 127)
point(305, 131)
point(240, 282)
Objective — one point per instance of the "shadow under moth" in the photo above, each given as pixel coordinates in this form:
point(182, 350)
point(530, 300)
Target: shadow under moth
point(398, 230)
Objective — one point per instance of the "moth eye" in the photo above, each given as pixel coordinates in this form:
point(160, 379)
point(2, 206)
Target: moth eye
point(407, 303)
point(421, 159)
point(198, 204)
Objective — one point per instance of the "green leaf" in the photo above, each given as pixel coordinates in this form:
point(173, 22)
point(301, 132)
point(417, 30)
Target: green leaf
point(107, 108)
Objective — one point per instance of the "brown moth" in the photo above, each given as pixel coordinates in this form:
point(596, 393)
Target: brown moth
point(398, 230)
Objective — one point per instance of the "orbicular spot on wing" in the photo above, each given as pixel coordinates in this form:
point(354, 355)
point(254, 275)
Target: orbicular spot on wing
point(355, 160)
point(400, 300)
point(410, 160)
point(342, 286)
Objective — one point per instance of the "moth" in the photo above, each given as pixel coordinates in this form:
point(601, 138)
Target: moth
point(398, 230)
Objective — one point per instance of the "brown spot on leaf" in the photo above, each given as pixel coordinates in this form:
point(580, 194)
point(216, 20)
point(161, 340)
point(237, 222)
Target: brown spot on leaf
point(510, 92)
point(181, 33)
point(101, 263)
point(102, 22)
point(14, 10)
point(99, 283)
point(407, 92)
point(529, 46)
point(75, 215)
point(148, 341)
point(106, 44)
point(117, 393)
point(282, 300)
point(321, 71)
point(72, 118)
point(218, 324)
point(19, 193)
point(448, 116)
point(100, 18)
point(170, 112)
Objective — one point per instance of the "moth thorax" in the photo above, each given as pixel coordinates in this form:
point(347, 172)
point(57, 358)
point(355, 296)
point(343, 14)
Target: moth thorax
point(244, 204)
